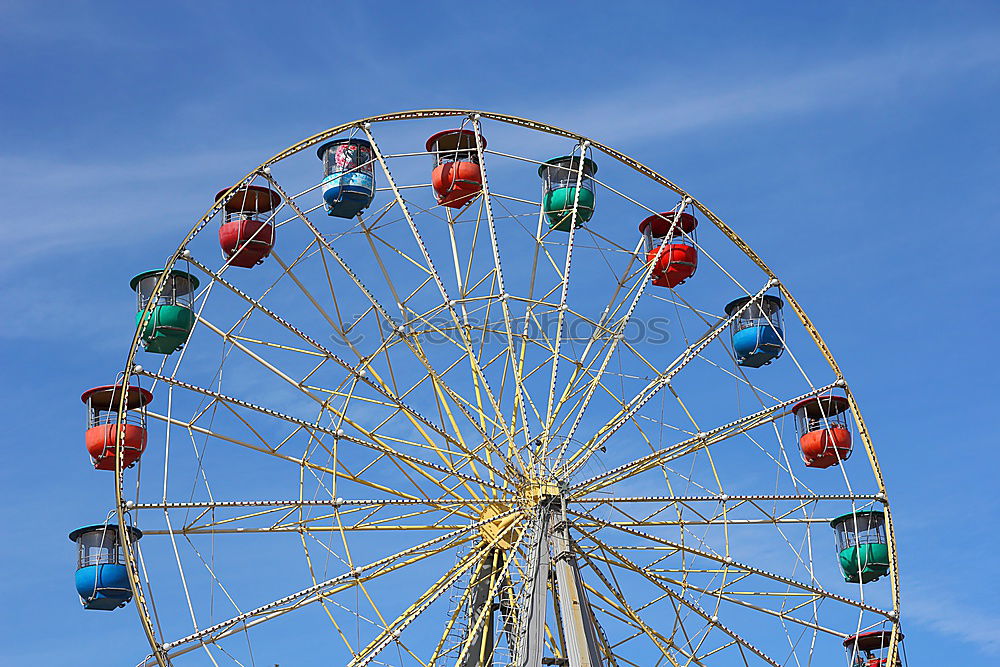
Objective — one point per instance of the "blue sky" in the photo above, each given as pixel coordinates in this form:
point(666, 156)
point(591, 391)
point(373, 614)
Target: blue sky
point(866, 132)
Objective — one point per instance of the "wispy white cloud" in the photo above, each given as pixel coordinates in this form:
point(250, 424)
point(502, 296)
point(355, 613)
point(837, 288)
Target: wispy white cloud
point(62, 206)
point(684, 102)
point(937, 607)
point(54, 206)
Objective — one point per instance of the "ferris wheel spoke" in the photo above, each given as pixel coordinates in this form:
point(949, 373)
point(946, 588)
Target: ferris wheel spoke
point(691, 640)
point(718, 498)
point(470, 458)
point(359, 515)
point(414, 344)
point(329, 602)
point(625, 613)
point(729, 562)
point(530, 318)
point(782, 615)
point(638, 523)
point(605, 606)
point(439, 503)
point(564, 292)
point(593, 557)
point(376, 305)
point(702, 440)
point(369, 441)
point(621, 604)
point(653, 387)
point(721, 593)
point(464, 405)
point(725, 592)
point(247, 620)
point(516, 351)
point(353, 517)
point(453, 618)
point(376, 385)
point(625, 563)
point(579, 393)
point(615, 333)
point(520, 399)
point(264, 448)
point(468, 409)
point(312, 524)
point(341, 582)
point(726, 506)
point(393, 630)
point(481, 382)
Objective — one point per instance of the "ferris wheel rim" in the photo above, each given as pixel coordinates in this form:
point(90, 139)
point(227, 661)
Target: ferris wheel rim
point(123, 506)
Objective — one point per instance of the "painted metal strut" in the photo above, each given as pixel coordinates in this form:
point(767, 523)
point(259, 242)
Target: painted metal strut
point(552, 566)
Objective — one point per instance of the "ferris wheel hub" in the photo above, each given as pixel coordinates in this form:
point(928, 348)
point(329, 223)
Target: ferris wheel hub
point(535, 490)
point(500, 531)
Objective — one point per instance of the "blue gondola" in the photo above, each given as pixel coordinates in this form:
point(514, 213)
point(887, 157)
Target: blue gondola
point(349, 176)
point(757, 333)
point(101, 578)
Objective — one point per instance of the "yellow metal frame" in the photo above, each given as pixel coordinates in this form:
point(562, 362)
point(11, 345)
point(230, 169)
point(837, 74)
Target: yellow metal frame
point(490, 530)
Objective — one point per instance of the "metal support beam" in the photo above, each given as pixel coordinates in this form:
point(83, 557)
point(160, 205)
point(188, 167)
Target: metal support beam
point(577, 628)
point(582, 643)
point(480, 638)
point(532, 640)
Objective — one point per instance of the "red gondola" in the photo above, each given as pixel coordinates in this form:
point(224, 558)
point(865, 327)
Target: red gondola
point(871, 649)
point(103, 427)
point(245, 239)
point(823, 429)
point(457, 177)
point(679, 259)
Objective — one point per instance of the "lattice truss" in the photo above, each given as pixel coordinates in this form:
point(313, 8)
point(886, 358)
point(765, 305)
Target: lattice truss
point(369, 440)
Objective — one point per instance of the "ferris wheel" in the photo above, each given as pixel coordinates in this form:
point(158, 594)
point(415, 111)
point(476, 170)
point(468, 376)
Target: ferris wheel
point(456, 402)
